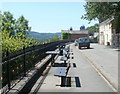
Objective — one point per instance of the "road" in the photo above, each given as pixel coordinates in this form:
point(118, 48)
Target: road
point(91, 80)
point(105, 60)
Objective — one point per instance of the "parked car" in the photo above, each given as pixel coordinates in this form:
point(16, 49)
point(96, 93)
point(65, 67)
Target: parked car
point(76, 42)
point(83, 42)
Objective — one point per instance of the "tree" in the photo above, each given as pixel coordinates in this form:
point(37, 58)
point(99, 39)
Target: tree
point(65, 35)
point(103, 11)
point(93, 29)
point(100, 10)
point(0, 21)
point(22, 27)
point(116, 24)
point(8, 23)
point(8, 27)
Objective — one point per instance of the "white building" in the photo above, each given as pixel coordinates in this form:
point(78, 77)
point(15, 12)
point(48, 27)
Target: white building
point(105, 32)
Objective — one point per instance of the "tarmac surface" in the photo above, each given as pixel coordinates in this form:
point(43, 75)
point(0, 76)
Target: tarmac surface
point(105, 60)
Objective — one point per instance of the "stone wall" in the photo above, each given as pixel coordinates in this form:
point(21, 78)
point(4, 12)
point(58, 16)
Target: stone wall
point(116, 40)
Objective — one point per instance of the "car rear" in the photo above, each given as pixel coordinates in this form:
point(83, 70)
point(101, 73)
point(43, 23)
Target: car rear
point(84, 42)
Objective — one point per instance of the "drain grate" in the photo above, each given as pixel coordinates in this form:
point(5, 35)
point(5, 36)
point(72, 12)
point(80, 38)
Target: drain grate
point(77, 80)
point(72, 57)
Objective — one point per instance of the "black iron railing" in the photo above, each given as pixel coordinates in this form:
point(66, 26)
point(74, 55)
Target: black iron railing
point(17, 64)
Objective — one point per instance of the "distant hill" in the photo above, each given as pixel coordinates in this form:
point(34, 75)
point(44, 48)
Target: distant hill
point(42, 36)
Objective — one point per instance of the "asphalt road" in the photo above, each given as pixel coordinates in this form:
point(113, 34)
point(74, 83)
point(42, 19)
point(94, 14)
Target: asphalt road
point(90, 79)
point(105, 60)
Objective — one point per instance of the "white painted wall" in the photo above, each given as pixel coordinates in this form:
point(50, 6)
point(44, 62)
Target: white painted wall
point(105, 33)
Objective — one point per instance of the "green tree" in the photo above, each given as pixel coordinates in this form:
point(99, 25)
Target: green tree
point(65, 35)
point(8, 27)
point(0, 21)
point(93, 29)
point(22, 27)
point(15, 43)
point(116, 24)
point(102, 11)
point(8, 23)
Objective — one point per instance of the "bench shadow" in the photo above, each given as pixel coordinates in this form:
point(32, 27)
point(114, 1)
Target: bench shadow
point(67, 82)
point(59, 65)
point(78, 83)
point(74, 65)
point(117, 50)
point(83, 48)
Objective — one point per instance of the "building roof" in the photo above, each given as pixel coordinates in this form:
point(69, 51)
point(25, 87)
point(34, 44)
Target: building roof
point(107, 21)
point(76, 31)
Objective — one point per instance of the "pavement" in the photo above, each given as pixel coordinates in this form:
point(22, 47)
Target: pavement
point(96, 69)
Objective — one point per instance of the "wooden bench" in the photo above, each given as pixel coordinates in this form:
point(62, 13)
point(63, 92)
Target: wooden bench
point(62, 72)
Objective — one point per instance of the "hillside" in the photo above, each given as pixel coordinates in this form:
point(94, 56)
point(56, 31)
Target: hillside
point(42, 36)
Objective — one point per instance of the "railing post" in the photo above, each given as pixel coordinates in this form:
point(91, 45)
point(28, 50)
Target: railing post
point(8, 69)
point(33, 58)
point(24, 62)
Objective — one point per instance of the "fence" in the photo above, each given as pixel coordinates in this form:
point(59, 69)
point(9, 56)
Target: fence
point(116, 40)
point(16, 65)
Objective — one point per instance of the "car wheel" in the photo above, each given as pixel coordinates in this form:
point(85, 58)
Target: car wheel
point(88, 47)
point(79, 47)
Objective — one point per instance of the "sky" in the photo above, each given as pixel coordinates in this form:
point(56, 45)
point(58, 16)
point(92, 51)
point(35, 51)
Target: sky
point(49, 16)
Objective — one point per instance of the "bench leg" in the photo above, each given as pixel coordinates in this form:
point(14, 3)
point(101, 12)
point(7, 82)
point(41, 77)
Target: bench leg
point(68, 56)
point(52, 60)
point(65, 55)
point(63, 79)
point(65, 63)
